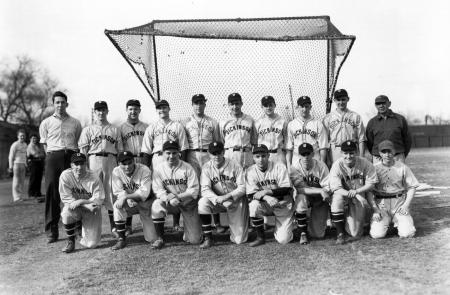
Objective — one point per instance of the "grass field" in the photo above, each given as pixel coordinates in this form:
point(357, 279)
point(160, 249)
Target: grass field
point(389, 266)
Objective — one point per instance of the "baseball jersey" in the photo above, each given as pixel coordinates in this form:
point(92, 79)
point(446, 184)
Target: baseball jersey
point(275, 176)
point(88, 187)
point(159, 132)
point(342, 127)
point(395, 179)
point(220, 181)
point(200, 133)
point(132, 136)
point(60, 133)
point(101, 139)
point(139, 182)
point(238, 132)
point(316, 176)
point(175, 180)
point(310, 130)
point(343, 177)
point(271, 132)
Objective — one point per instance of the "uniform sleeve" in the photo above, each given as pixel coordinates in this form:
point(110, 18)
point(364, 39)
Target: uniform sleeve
point(78, 130)
point(193, 186)
point(335, 178)
point(158, 187)
point(254, 133)
point(296, 178)
point(371, 173)
point(257, 126)
point(216, 131)
point(325, 122)
point(147, 141)
point(84, 140)
point(119, 142)
point(98, 193)
point(43, 132)
point(284, 133)
point(145, 183)
point(283, 176)
point(184, 144)
point(360, 130)
point(290, 137)
point(240, 182)
point(251, 181)
point(65, 190)
point(323, 137)
point(324, 177)
point(410, 181)
point(221, 129)
point(117, 184)
point(206, 183)
point(12, 153)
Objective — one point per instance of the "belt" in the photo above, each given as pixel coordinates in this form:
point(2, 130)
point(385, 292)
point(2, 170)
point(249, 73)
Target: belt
point(240, 149)
point(389, 196)
point(66, 151)
point(102, 154)
point(199, 150)
point(138, 155)
point(276, 151)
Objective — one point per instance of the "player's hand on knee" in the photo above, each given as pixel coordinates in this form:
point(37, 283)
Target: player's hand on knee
point(74, 205)
point(352, 193)
point(91, 207)
point(376, 216)
point(273, 202)
point(174, 202)
point(259, 195)
point(227, 204)
point(325, 196)
point(403, 210)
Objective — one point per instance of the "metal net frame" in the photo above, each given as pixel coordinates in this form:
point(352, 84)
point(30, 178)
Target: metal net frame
point(282, 57)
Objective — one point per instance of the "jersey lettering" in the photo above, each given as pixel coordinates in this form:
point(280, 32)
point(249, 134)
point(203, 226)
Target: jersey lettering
point(345, 120)
point(181, 181)
point(84, 194)
point(97, 139)
point(223, 178)
point(133, 134)
point(312, 181)
point(131, 186)
point(266, 182)
point(265, 131)
point(310, 132)
point(231, 129)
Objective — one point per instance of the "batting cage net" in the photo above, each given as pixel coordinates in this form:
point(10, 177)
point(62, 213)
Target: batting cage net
point(282, 57)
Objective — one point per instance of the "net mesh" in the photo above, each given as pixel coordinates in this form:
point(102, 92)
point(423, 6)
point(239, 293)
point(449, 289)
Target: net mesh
point(282, 57)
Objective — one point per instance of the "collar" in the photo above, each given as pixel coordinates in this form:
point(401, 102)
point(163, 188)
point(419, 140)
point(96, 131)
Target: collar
point(389, 113)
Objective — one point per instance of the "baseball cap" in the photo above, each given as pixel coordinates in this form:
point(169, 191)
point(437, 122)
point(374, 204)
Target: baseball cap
point(161, 103)
point(386, 145)
point(302, 100)
point(170, 145)
point(340, 93)
point(78, 158)
point(234, 97)
point(260, 149)
point(215, 147)
point(348, 146)
point(123, 156)
point(305, 148)
point(100, 105)
point(267, 100)
point(133, 102)
point(198, 98)
point(381, 98)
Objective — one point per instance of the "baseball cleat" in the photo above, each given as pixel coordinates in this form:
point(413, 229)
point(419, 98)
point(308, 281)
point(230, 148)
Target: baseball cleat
point(128, 231)
point(121, 243)
point(207, 243)
point(303, 239)
point(158, 244)
point(115, 233)
point(70, 247)
point(340, 240)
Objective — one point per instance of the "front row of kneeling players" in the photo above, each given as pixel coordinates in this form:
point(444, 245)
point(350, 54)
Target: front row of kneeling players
point(354, 191)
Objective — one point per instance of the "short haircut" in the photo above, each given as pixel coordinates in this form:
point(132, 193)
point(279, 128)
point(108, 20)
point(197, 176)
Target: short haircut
point(21, 131)
point(59, 94)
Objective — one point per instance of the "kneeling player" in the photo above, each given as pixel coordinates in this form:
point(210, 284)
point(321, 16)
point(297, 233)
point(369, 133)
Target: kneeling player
point(269, 191)
point(131, 184)
point(351, 178)
point(176, 188)
point(82, 195)
point(310, 178)
point(393, 195)
point(223, 190)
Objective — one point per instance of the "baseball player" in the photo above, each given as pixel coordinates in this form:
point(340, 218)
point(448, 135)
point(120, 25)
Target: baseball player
point(307, 129)
point(176, 188)
point(238, 133)
point(310, 179)
point(101, 142)
point(223, 190)
point(132, 132)
point(82, 195)
point(343, 124)
point(351, 177)
point(393, 195)
point(271, 130)
point(131, 183)
point(269, 191)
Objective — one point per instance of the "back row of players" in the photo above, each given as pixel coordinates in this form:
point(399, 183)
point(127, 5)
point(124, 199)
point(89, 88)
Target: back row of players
point(231, 159)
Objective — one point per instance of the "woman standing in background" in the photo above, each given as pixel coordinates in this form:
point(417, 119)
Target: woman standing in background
point(36, 160)
point(18, 165)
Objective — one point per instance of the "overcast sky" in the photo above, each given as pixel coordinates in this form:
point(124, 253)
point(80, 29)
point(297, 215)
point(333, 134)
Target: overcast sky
point(402, 48)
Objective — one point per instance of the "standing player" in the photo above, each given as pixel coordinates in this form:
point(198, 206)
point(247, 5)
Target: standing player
point(271, 130)
point(101, 142)
point(393, 195)
point(270, 193)
point(238, 133)
point(223, 190)
point(305, 129)
point(82, 195)
point(59, 133)
point(132, 133)
point(131, 183)
point(343, 124)
point(176, 188)
point(310, 179)
point(351, 178)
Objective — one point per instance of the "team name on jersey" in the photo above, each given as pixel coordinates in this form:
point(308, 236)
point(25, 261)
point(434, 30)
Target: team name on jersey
point(312, 181)
point(310, 132)
point(132, 134)
point(359, 176)
point(170, 181)
point(131, 186)
point(265, 131)
point(346, 120)
point(223, 177)
point(236, 128)
point(97, 139)
point(169, 132)
point(266, 182)
point(81, 192)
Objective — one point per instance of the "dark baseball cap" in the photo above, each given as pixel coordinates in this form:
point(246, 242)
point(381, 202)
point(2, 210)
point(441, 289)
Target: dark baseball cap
point(171, 145)
point(125, 155)
point(349, 146)
point(198, 98)
point(305, 148)
point(302, 100)
point(161, 103)
point(134, 102)
point(381, 98)
point(215, 147)
point(267, 100)
point(386, 145)
point(260, 149)
point(98, 105)
point(234, 97)
point(340, 93)
point(78, 158)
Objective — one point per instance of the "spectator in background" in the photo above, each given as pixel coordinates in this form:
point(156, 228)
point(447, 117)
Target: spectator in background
point(18, 165)
point(35, 160)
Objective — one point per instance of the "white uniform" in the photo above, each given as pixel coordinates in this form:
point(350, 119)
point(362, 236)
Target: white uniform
point(317, 177)
point(276, 176)
point(199, 135)
point(238, 135)
point(102, 144)
point(343, 177)
point(176, 180)
point(393, 181)
point(132, 136)
point(139, 182)
point(343, 127)
point(90, 188)
point(273, 134)
point(310, 131)
point(157, 134)
point(216, 182)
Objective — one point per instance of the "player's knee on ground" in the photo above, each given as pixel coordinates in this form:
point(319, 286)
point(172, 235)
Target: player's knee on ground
point(159, 209)
point(254, 207)
point(283, 235)
point(204, 206)
point(378, 229)
point(337, 203)
point(405, 226)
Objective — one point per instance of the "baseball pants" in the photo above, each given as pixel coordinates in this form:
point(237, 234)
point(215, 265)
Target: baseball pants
point(318, 213)
point(197, 159)
point(103, 167)
point(356, 211)
point(91, 224)
point(245, 159)
point(18, 182)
